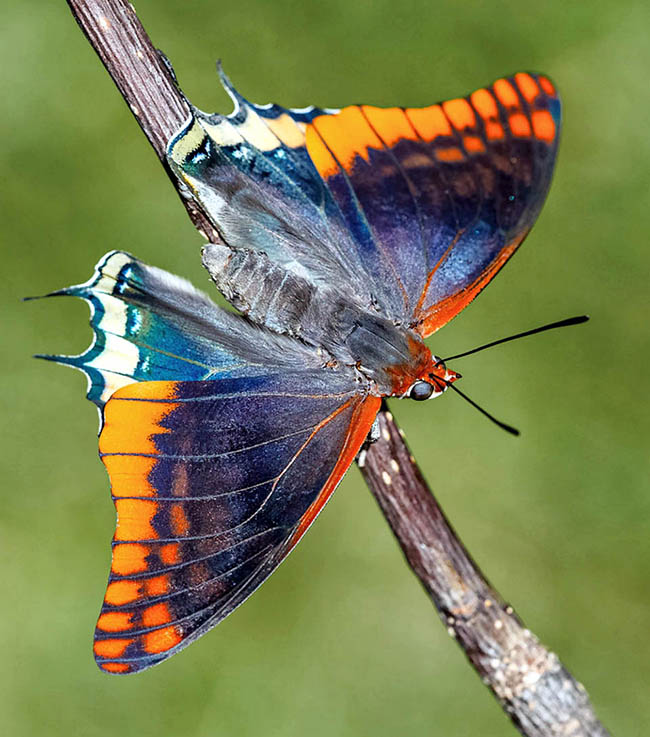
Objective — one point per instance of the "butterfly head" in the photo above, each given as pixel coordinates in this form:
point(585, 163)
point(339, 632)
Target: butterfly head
point(433, 382)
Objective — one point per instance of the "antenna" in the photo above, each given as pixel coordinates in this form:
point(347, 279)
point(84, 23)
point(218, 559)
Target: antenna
point(508, 428)
point(551, 326)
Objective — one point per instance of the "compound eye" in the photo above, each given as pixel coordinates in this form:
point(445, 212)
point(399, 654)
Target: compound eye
point(421, 390)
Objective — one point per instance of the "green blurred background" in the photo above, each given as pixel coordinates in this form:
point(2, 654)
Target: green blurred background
point(341, 641)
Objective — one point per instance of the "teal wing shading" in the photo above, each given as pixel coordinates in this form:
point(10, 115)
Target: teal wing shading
point(151, 325)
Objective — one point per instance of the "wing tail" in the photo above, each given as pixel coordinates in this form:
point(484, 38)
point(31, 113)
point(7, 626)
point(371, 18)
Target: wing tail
point(150, 325)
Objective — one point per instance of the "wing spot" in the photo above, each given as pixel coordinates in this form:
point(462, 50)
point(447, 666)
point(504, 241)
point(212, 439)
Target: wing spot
point(161, 640)
point(156, 615)
point(285, 128)
point(429, 122)
point(506, 93)
point(115, 621)
point(391, 124)
point(130, 427)
point(157, 586)
point(473, 144)
point(179, 522)
point(135, 519)
point(527, 85)
point(546, 85)
point(494, 130)
point(115, 667)
point(113, 648)
point(385, 477)
point(320, 155)
point(453, 153)
point(519, 125)
point(460, 113)
point(129, 558)
point(129, 475)
point(543, 125)
point(484, 103)
point(122, 592)
point(348, 135)
point(169, 554)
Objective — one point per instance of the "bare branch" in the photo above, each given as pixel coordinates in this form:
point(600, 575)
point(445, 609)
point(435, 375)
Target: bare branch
point(533, 687)
point(145, 81)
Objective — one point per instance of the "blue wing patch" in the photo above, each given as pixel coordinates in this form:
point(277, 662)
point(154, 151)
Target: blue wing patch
point(151, 325)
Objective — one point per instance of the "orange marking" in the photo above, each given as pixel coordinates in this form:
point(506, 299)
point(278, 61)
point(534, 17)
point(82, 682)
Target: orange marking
point(494, 130)
point(129, 558)
point(460, 113)
point(543, 125)
point(484, 103)
point(111, 648)
point(391, 124)
point(129, 475)
point(546, 84)
point(122, 592)
point(473, 144)
point(157, 586)
point(157, 614)
point(519, 125)
point(429, 122)
point(444, 311)
point(506, 93)
point(134, 519)
point(115, 621)
point(160, 640)
point(362, 419)
point(320, 155)
point(453, 153)
point(486, 107)
point(403, 375)
point(180, 523)
point(287, 130)
point(115, 667)
point(130, 425)
point(160, 390)
point(527, 86)
point(169, 554)
point(348, 135)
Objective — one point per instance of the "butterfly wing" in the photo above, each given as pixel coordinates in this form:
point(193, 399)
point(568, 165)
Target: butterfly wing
point(410, 210)
point(220, 453)
point(150, 325)
point(214, 483)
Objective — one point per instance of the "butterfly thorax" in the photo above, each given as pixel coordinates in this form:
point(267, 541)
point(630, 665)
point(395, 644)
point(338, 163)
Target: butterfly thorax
point(389, 357)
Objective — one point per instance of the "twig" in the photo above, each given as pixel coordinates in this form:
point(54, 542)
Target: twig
point(145, 81)
point(541, 697)
point(533, 687)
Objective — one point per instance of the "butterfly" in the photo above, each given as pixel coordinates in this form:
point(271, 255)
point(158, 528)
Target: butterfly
point(348, 237)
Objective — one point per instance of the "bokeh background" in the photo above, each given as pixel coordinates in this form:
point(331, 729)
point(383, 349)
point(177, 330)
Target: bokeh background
point(341, 641)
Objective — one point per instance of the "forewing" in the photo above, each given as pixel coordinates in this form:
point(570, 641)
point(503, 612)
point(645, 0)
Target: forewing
point(447, 192)
point(409, 210)
point(214, 482)
point(254, 176)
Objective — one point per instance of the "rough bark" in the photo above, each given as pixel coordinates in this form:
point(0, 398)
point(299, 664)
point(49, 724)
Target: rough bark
point(533, 687)
point(538, 693)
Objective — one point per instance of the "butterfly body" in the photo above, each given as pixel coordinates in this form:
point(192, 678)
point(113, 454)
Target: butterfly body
point(349, 236)
point(388, 357)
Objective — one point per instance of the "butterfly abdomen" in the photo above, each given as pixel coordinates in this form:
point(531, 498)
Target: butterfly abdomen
point(284, 302)
point(281, 300)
